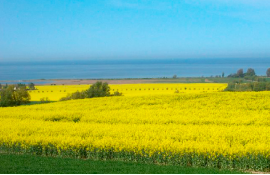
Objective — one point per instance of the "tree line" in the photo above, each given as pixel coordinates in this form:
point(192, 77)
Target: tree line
point(250, 73)
point(240, 74)
point(15, 95)
point(252, 86)
point(261, 83)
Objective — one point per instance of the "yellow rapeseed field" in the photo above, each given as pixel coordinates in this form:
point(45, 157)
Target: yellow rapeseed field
point(54, 93)
point(216, 129)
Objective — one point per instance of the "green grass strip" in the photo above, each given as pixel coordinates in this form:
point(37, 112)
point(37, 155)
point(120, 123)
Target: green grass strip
point(31, 164)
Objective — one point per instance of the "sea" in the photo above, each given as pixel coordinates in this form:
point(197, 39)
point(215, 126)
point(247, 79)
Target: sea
point(120, 69)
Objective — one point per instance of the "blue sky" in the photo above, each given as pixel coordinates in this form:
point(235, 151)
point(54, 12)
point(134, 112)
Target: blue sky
point(133, 29)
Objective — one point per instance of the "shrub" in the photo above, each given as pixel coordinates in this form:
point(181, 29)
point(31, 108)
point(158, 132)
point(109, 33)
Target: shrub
point(45, 100)
point(99, 89)
point(116, 93)
point(31, 86)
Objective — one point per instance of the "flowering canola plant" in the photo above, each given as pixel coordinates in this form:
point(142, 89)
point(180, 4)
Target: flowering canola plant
point(55, 92)
point(217, 129)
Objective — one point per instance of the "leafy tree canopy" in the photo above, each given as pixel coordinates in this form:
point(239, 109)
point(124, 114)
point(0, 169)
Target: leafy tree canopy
point(14, 96)
point(99, 89)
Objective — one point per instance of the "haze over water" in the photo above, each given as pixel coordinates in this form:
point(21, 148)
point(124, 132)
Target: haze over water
point(128, 69)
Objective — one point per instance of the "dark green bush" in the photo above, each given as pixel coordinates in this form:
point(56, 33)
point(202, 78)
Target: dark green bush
point(99, 89)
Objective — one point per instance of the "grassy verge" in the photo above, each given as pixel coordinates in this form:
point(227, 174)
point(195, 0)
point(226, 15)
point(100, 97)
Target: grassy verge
point(24, 164)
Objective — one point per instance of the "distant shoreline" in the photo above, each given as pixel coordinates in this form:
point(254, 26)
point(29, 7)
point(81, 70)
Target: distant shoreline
point(91, 81)
point(126, 81)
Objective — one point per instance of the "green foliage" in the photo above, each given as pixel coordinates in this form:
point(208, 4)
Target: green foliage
point(78, 95)
point(74, 96)
point(116, 93)
point(99, 89)
point(252, 78)
point(31, 86)
point(250, 72)
point(240, 73)
point(65, 98)
point(20, 85)
point(259, 79)
point(249, 75)
point(30, 164)
point(230, 87)
point(14, 96)
point(6, 97)
point(45, 100)
point(252, 86)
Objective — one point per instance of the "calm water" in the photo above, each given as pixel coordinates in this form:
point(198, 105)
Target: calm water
point(128, 69)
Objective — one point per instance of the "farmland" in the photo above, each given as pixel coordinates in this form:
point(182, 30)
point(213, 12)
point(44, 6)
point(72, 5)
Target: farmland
point(56, 92)
point(194, 128)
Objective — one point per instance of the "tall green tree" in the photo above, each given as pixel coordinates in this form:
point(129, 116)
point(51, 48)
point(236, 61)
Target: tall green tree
point(240, 73)
point(31, 86)
point(21, 96)
point(250, 72)
point(20, 85)
point(6, 97)
point(14, 96)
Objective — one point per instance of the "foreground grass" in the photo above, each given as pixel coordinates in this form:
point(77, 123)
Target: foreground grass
point(23, 164)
